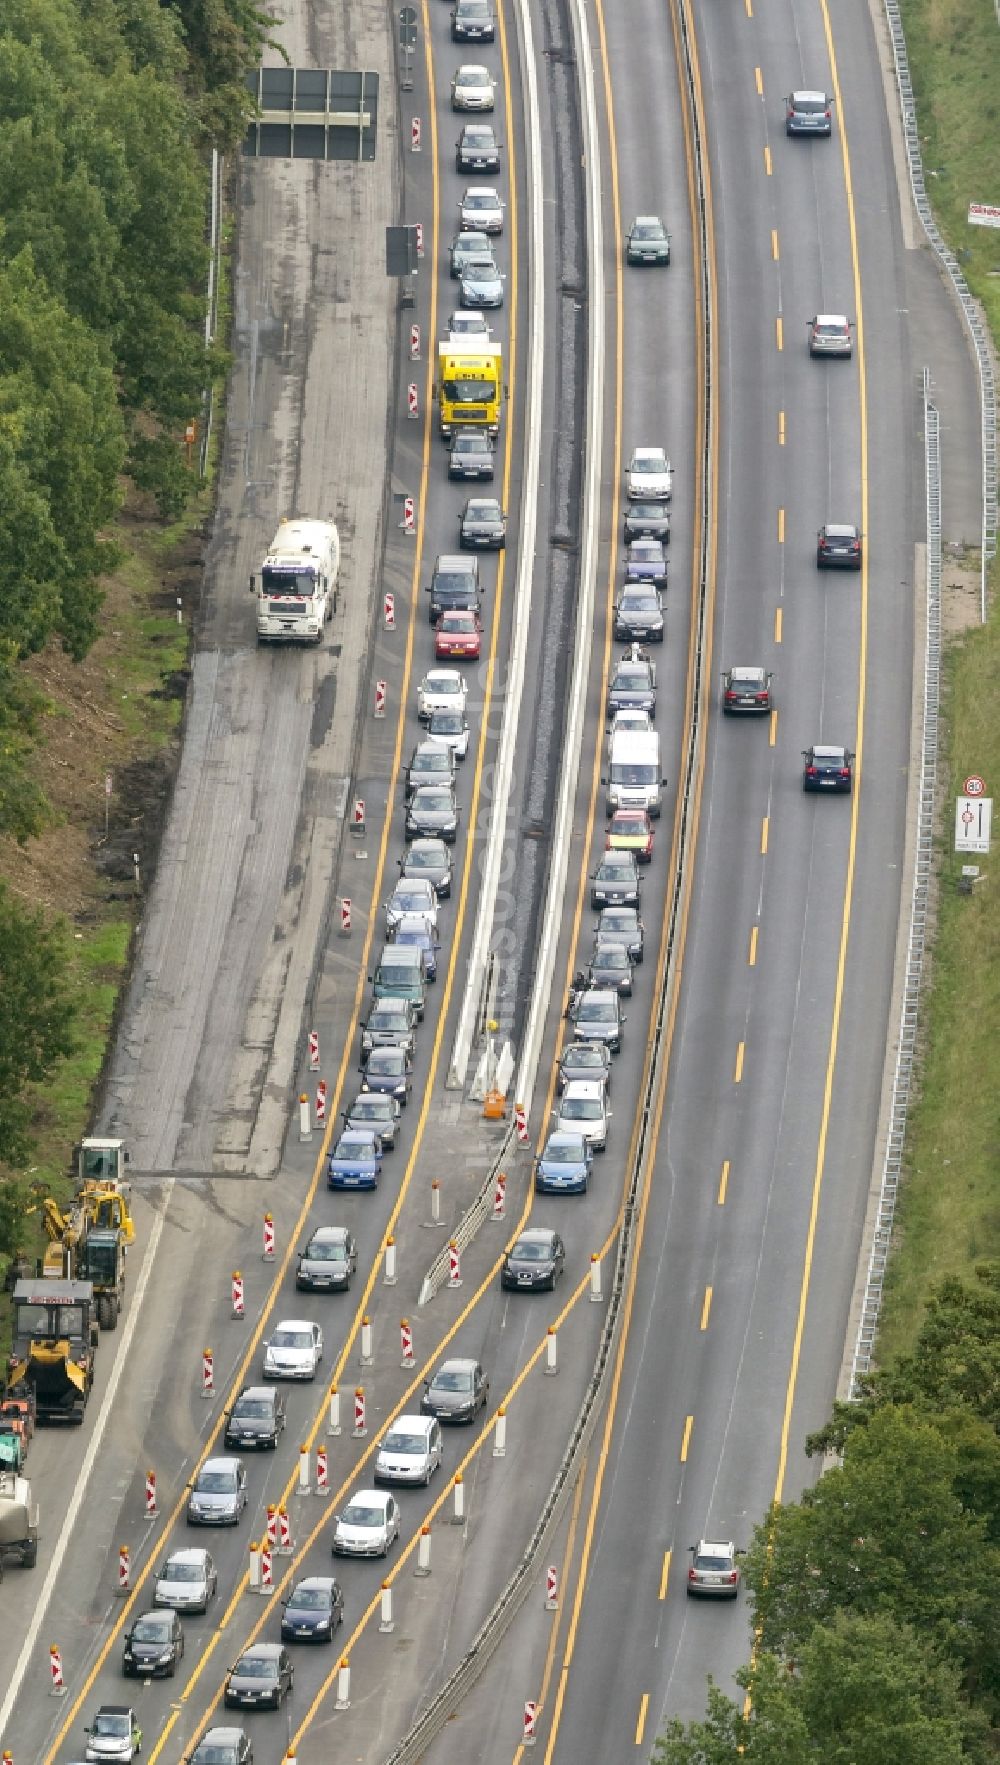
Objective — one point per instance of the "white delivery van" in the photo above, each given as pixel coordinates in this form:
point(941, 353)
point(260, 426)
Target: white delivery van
point(296, 591)
point(633, 780)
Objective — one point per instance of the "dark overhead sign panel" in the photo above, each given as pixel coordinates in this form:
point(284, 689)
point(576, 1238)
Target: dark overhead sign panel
point(312, 113)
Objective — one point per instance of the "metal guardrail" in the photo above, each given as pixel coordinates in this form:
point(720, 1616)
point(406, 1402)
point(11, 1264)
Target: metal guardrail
point(978, 329)
point(415, 1743)
point(906, 1052)
point(467, 1227)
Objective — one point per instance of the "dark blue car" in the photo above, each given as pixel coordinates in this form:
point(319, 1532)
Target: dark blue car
point(356, 1161)
point(313, 1610)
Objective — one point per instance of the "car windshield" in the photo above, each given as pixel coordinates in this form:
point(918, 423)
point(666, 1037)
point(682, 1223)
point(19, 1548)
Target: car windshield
point(375, 1109)
point(385, 1017)
point(640, 603)
point(562, 1152)
point(252, 1667)
point(594, 1011)
point(326, 1253)
point(252, 1406)
point(108, 1722)
point(582, 1054)
point(291, 1338)
point(425, 860)
point(390, 1063)
point(458, 621)
point(529, 1250)
point(648, 230)
point(405, 1443)
point(649, 460)
point(453, 1379)
point(618, 919)
point(641, 511)
point(472, 76)
point(613, 956)
point(151, 1630)
point(632, 674)
point(310, 1599)
point(443, 723)
point(216, 1482)
point(173, 1571)
point(712, 1563)
point(480, 199)
point(359, 1514)
point(582, 1109)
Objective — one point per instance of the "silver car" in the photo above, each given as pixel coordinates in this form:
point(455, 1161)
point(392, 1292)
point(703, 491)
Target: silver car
point(218, 1493)
point(481, 207)
point(368, 1526)
point(713, 1570)
point(187, 1581)
point(482, 283)
point(411, 1451)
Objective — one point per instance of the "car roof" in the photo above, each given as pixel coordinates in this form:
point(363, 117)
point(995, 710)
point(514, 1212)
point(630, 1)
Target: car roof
point(588, 1088)
point(335, 1234)
point(323, 1581)
point(372, 1498)
point(295, 1323)
point(647, 220)
point(804, 97)
point(715, 1547)
point(262, 1651)
point(227, 1462)
point(839, 528)
point(442, 673)
point(748, 673)
point(192, 1553)
point(115, 1710)
point(414, 1424)
point(832, 319)
point(536, 1235)
point(259, 1391)
point(459, 1363)
point(563, 1137)
point(828, 753)
point(473, 67)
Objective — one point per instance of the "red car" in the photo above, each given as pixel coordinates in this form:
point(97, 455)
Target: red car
point(630, 830)
point(458, 634)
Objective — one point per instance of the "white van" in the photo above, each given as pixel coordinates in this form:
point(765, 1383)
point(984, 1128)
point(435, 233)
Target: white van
point(296, 592)
point(633, 780)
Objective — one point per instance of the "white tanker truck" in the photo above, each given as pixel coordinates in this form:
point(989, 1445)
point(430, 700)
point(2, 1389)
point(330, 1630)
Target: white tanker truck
point(18, 1522)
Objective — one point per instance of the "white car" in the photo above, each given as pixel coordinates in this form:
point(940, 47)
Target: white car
point(442, 689)
point(481, 207)
point(294, 1351)
point(452, 729)
point(636, 721)
point(650, 474)
point(583, 1109)
point(473, 88)
point(368, 1526)
point(411, 1451)
point(412, 894)
point(186, 1582)
point(468, 327)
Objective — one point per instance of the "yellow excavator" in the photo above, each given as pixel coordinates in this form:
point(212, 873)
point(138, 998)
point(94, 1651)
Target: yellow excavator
point(87, 1241)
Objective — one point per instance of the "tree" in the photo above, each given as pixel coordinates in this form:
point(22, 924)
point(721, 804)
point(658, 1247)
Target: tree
point(771, 1731)
point(36, 1023)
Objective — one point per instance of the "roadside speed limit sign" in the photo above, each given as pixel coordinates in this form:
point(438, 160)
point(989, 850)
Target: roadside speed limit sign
point(974, 786)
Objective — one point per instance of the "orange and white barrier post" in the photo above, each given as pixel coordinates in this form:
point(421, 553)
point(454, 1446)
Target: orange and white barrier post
point(360, 1428)
point(595, 1276)
point(385, 1621)
point(500, 1434)
point(458, 1517)
point(207, 1373)
point(500, 1197)
point(381, 693)
point(521, 1124)
point(424, 1551)
point(333, 1424)
point(239, 1307)
point(269, 1251)
point(314, 1051)
point(412, 400)
point(285, 1545)
point(123, 1568)
point(435, 1219)
point(389, 1277)
point(454, 1264)
point(343, 1685)
point(551, 1351)
point(254, 1566)
point(366, 1342)
point(322, 1472)
point(303, 1473)
point(406, 1343)
point(58, 1686)
point(305, 1124)
point(551, 1588)
point(266, 1567)
point(389, 611)
point(321, 1103)
point(152, 1511)
point(529, 1736)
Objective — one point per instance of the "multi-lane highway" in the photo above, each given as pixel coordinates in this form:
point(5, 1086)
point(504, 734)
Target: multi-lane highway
point(753, 1186)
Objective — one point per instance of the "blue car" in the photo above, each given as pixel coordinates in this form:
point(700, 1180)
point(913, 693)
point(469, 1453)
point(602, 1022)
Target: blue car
point(356, 1160)
point(646, 561)
point(564, 1166)
point(390, 1071)
point(422, 938)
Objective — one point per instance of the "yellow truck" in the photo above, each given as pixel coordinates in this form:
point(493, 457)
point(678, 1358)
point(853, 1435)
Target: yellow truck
point(469, 386)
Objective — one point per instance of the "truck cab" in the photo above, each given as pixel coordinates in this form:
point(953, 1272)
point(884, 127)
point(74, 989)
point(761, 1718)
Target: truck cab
point(296, 591)
point(54, 1338)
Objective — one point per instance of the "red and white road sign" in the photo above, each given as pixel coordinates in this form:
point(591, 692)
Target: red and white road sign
point(530, 1724)
point(239, 1309)
point(389, 611)
point(500, 1197)
point(419, 230)
point(521, 1124)
point(268, 1237)
point(322, 1472)
point(414, 343)
point(272, 1523)
point(345, 913)
point(55, 1669)
point(123, 1568)
point(412, 400)
point(207, 1373)
point(359, 1412)
point(551, 1588)
point(321, 1102)
point(314, 1051)
point(409, 516)
point(358, 815)
point(381, 691)
point(454, 1265)
point(151, 1508)
point(406, 1342)
point(415, 135)
point(285, 1546)
point(266, 1566)
point(974, 786)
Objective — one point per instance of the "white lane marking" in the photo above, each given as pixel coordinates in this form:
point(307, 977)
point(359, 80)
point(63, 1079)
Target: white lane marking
point(83, 1477)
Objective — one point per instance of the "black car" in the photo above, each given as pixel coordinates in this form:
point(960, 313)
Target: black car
point(639, 614)
point(477, 149)
point(647, 519)
point(615, 882)
point(389, 1070)
point(431, 858)
point(313, 1610)
point(838, 547)
point(256, 1418)
point(262, 1675)
point(483, 525)
point(457, 1392)
point(746, 692)
point(154, 1644)
point(535, 1261)
point(808, 113)
point(432, 812)
point(472, 21)
point(222, 1746)
point(827, 769)
point(430, 763)
point(633, 687)
point(453, 587)
point(609, 966)
point(622, 925)
point(471, 455)
point(328, 1261)
point(584, 1060)
point(391, 1023)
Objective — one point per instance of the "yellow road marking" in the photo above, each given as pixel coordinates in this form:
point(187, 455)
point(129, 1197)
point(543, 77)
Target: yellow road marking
point(773, 733)
point(758, 80)
point(664, 1575)
point(686, 1442)
point(767, 161)
point(774, 245)
point(723, 1184)
point(706, 1306)
point(763, 835)
point(777, 624)
point(738, 1074)
point(781, 526)
point(781, 428)
point(640, 1727)
point(779, 331)
point(752, 958)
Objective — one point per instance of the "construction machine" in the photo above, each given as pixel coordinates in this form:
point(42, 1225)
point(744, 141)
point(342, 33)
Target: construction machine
point(88, 1240)
point(54, 1340)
